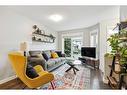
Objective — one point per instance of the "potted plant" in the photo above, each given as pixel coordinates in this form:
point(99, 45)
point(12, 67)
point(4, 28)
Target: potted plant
point(123, 33)
point(108, 61)
point(114, 43)
point(119, 48)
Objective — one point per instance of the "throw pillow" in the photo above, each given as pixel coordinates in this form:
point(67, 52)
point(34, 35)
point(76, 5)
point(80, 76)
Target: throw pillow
point(40, 56)
point(30, 72)
point(52, 51)
point(45, 56)
point(54, 55)
point(48, 53)
point(59, 53)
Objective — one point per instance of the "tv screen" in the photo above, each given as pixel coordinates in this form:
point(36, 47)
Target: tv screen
point(88, 52)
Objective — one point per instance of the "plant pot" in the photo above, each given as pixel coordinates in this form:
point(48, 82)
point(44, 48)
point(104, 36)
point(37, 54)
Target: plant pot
point(117, 67)
point(123, 70)
point(108, 61)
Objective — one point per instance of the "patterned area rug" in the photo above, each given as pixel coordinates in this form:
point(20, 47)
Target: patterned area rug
point(68, 80)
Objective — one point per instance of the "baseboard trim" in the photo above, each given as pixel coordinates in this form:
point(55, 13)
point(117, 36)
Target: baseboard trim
point(105, 81)
point(7, 79)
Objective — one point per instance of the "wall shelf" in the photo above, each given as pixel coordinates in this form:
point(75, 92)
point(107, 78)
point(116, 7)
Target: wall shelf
point(44, 35)
point(40, 36)
point(42, 41)
point(123, 38)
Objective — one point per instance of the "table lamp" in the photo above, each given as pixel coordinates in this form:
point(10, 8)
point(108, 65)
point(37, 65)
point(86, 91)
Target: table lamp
point(23, 47)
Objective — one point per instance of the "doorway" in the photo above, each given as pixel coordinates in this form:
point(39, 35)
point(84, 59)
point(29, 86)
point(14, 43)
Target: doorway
point(72, 46)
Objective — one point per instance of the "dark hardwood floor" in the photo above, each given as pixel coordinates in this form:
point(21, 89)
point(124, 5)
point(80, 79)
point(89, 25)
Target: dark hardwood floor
point(95, 82)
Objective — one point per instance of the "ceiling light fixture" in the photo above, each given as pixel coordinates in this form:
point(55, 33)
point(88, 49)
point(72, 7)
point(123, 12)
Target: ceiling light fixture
point(56, 17)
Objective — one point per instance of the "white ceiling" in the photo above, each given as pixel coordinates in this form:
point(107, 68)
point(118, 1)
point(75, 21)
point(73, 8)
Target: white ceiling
point(73, 16)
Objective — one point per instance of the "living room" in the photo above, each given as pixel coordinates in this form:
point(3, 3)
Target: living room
point(64, 31)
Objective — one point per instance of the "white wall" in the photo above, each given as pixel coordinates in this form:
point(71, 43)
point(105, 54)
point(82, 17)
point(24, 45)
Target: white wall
point(123, 13)
point(73, 32)
point(103, 39)
point(111, 20)
point(15, 28)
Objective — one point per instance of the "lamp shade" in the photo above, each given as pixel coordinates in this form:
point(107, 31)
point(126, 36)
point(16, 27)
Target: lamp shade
point(23, 46)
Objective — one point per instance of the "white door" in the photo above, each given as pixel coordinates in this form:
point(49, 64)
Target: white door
point(76, 47)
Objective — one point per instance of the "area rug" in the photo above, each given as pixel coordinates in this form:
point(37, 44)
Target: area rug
point(68, 80)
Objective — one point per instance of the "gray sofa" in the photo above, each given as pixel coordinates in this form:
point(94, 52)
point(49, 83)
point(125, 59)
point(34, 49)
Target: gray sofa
point(49, 64)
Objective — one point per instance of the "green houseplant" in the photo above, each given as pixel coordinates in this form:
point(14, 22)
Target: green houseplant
point(123, 48)
point(119, 47)
point(114, 42)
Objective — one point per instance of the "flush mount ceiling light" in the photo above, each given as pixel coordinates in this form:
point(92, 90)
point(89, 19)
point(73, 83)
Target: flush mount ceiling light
point(56, 17)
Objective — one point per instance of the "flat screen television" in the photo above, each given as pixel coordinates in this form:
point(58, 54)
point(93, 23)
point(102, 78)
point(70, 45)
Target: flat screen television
point(88, 51)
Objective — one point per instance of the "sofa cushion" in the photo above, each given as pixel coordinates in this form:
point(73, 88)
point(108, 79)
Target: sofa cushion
point(57, 60)
point(40, 56)
point(34, 53)
point(34, 59)
point(50, 62)
point(52, 51)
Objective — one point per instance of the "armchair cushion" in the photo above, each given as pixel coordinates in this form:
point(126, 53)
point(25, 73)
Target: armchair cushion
point(42, 73)
point(38, 68)
point(31, 72)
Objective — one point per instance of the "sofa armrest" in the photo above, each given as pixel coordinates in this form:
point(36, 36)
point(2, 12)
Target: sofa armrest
point(60, 54)
point(37, 61)
point(63, 55)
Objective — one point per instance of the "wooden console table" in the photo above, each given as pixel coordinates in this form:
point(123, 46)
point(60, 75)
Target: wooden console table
point(90, 61)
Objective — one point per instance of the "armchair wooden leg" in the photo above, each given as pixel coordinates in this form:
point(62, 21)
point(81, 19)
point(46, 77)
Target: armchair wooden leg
point(24, 87)
point(53, 85)
point(38, 88)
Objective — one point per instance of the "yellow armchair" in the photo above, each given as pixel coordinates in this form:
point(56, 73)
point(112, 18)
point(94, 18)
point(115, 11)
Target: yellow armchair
point(19, 64)
point(38, 68)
